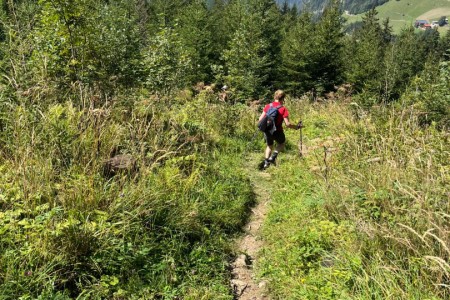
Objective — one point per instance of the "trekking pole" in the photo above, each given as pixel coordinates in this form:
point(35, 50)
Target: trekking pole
point(300, 126)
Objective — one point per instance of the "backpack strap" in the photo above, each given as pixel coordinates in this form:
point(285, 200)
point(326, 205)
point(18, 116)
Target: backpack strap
point(278, 107)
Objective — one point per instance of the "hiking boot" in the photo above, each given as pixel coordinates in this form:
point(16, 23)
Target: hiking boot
point(272, 159)
point(266, 164)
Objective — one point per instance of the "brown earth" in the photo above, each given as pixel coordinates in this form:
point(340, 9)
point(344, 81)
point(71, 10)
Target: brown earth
point(244, 283)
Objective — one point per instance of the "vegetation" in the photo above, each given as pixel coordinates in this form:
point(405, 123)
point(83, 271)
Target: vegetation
point(121, 172)
point(352, 6)
point(353, 220)
point(403, 13)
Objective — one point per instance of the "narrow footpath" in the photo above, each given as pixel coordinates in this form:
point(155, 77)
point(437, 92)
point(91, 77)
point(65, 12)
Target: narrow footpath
point(244, 283)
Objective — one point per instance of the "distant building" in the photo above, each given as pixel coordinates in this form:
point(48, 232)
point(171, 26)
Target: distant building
point(422, 24)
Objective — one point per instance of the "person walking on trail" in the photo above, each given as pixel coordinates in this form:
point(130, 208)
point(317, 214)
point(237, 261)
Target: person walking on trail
point(275, 133)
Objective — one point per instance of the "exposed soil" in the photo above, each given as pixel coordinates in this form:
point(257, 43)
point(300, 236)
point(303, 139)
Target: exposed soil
point(244, 283)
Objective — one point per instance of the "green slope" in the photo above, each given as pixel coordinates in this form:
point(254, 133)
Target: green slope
point(404, 12)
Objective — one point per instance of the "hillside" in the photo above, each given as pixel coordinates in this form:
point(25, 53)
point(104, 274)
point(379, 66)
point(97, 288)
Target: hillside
point(403, 13)
point(352, 6)
point(131, 163)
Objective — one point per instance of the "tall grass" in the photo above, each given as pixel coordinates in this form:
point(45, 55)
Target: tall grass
point(163, 231)
point(365, 215)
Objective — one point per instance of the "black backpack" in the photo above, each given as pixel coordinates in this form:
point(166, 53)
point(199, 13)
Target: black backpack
point(267, 124)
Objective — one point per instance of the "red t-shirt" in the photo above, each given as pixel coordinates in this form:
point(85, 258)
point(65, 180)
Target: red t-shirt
point(282, 113)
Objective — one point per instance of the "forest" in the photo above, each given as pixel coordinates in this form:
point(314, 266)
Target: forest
point(352, 6)
point(127, 170)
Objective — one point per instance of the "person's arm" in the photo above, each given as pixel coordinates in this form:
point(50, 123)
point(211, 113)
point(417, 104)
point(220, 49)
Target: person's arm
point(289, 125)
point(262, 116)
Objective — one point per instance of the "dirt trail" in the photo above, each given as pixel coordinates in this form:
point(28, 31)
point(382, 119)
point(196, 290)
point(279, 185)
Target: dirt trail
point(244, 283)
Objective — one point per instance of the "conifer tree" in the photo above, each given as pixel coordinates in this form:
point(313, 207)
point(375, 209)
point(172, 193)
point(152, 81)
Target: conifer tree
point(253, 48)
point(267, 11)
point(222, 23)
point(297, 56)
point(289, 17)
point(164, 13)
point(444, 47)
point(429, 41)
point(404, 59)
point(328, 48)
point(365, 54)
point(285, 8)
point(294, 10)
point(195, 30)
point(387, 31)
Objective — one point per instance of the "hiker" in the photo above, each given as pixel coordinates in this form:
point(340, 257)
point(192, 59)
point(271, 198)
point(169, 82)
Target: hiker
point(276, 134)
point(223, 96)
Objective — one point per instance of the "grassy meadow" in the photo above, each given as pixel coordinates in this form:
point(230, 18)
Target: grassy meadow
point(364, 214)
point(128, 153)
point(161, 231)
point(403, 13)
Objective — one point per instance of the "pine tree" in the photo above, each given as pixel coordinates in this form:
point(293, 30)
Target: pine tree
point(328, 48)
point(444, 47)
point(365, 54)
point(404, 59)
point(196, 34)
point(253, 49)
point(297, 56)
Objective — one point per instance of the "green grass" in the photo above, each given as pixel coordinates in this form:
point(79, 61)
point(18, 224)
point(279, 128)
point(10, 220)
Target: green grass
point(340, 226)
point(337, 229)
point(404, 12)
point(68, 231)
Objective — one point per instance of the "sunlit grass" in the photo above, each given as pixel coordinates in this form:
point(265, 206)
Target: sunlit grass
point(352, 219)
point(162, 230)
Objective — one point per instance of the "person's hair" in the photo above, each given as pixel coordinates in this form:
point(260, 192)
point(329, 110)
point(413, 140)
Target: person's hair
point(279, 95)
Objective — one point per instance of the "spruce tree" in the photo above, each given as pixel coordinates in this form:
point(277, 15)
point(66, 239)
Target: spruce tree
point(444, 47)
point(253, 49)
point(285, 8)
point(220, 22)
point(365, 55)
point(404, 59)
point(196, 34)
point(297, 56)
point(328, 45)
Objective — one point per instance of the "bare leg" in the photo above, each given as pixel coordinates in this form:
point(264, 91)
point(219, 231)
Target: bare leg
point(268, 151)
point(280, 147)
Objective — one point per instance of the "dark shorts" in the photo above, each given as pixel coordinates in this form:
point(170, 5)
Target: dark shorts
point(276, 136)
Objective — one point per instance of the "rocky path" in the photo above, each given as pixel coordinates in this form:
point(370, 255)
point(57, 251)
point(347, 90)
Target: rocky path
point(244, 283)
